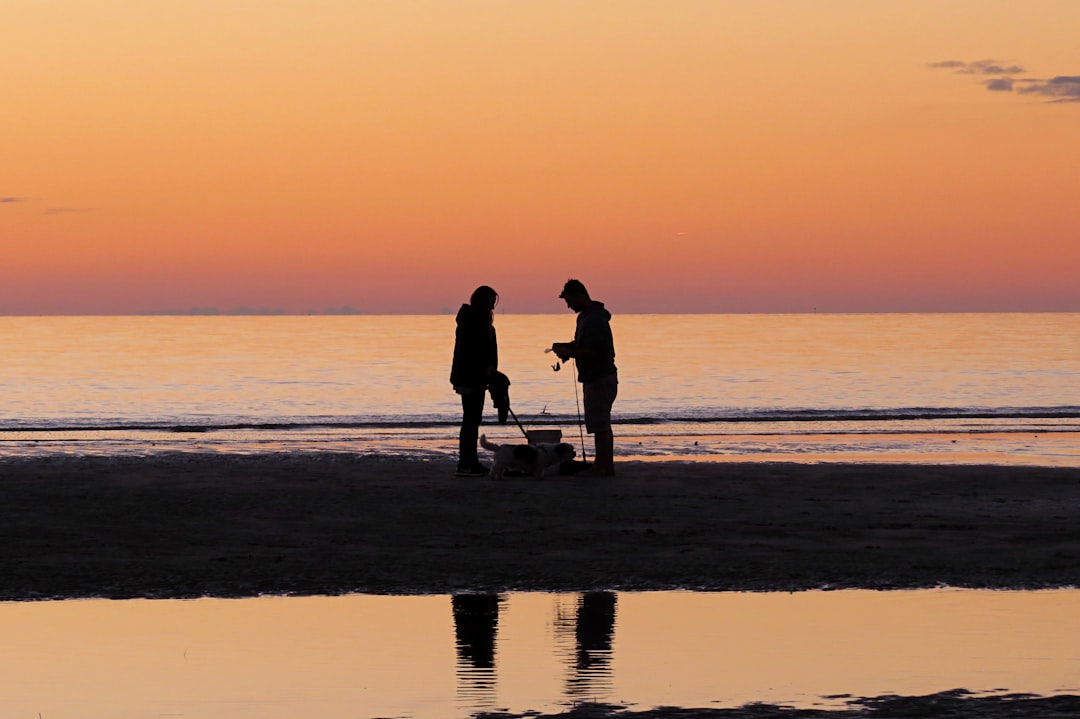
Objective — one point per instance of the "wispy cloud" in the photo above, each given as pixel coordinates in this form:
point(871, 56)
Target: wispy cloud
point(13, 199)
point(1062, 88)
point(988, 67)
point(979, 67)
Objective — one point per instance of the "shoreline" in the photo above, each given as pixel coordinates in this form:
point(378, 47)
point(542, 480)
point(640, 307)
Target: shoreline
point(180, 526)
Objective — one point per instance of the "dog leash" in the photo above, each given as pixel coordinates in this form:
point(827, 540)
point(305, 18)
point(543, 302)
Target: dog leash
point(517, 422)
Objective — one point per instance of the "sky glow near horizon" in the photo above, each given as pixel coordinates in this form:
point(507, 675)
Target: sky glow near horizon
point(713, 156)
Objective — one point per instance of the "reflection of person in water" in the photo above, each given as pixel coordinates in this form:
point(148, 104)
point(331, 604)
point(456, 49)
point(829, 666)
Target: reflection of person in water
point(593, 632)
point(476, 621)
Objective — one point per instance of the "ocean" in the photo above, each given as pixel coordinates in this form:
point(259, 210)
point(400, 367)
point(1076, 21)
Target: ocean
point(940, 388)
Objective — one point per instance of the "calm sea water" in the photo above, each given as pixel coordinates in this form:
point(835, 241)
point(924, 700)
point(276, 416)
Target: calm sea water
point(984, 388)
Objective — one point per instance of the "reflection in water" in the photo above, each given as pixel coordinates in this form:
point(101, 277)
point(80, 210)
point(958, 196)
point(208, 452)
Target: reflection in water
point(589, 662)
point(583, 628)
point(476, 622)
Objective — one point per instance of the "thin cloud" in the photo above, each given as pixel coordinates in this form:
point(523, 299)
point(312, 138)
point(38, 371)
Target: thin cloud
point(11, 200)
point(64, 210)
point(979, 67)
point(1062, 88)
point(948, 65)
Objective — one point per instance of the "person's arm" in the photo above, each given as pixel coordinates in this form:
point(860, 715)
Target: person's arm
point(588, 341)
point(566, 350)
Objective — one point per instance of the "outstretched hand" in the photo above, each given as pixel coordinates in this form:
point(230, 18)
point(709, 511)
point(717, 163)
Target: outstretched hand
point(562, 350)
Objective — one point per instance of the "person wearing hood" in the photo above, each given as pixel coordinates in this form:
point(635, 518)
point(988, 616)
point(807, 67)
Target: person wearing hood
point(593, 350)
point(476, 361)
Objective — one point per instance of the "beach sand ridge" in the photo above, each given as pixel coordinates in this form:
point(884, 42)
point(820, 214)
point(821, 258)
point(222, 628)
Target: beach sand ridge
point(232, 526)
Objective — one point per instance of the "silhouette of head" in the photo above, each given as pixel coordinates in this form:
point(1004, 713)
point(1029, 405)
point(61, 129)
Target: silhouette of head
point(484, 299)
point(576, 296)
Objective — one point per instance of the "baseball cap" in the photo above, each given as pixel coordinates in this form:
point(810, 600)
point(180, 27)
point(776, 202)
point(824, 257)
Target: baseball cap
point(572, 286)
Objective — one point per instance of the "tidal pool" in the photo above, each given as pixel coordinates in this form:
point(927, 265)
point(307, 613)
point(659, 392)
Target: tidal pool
point(442, 656)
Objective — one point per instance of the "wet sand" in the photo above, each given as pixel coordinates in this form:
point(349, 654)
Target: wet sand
point(200, 525)
point(956, 703)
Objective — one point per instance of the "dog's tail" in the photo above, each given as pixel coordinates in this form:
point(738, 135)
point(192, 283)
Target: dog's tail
point(487, 445)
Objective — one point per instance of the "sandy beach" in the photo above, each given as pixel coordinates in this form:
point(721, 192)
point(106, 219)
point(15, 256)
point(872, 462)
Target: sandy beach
point(229, 526)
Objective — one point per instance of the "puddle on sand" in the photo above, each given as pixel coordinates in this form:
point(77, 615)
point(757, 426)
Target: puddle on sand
point(440, 656)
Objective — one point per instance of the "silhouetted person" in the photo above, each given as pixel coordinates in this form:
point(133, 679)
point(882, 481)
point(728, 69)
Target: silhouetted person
point(476, 360)
point(593, 350)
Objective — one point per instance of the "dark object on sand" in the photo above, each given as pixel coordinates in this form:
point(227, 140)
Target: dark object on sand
point(572, 466)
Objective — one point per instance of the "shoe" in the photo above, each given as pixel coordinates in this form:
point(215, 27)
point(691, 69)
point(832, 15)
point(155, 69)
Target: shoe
point(596, 472)
point(472, 470)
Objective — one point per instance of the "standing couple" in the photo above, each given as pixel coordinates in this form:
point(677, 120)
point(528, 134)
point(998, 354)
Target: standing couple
point(476, 363)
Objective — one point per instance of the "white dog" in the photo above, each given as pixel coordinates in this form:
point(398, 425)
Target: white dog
point(531, 459)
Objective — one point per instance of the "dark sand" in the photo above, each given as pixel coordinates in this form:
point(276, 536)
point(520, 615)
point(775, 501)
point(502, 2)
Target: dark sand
point(185, 526)
point(944, 705)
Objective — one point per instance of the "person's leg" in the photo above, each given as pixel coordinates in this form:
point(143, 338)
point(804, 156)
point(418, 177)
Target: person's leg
point(604, 463)
point(599, 396)
point(472, 412)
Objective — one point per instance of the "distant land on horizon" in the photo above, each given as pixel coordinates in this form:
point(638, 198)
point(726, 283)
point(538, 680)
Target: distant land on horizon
point(445, 311)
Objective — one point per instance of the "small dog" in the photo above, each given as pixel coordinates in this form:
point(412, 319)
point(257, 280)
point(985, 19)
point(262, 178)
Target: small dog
point(531, 459)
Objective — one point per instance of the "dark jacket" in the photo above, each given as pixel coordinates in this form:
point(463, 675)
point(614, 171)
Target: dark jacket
point(594, 333)
point(475, 349)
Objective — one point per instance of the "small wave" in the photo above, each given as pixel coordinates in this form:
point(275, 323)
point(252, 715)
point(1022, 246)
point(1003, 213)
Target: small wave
point(190, 428)
point(875, 414)
point(719, 416)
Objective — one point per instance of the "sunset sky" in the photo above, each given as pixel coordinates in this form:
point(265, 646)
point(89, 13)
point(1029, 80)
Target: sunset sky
point(686, 156)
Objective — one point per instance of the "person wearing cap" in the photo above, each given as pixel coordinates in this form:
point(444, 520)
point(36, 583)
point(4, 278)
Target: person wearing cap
point(593, 350)
point(475, 364)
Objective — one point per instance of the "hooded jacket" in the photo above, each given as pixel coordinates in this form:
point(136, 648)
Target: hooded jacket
point(594, 333)
point(475, 349)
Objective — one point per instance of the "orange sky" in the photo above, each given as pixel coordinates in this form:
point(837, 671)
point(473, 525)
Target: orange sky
point(711, 156)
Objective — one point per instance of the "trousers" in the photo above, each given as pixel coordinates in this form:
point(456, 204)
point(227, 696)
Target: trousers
point(472, 413)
